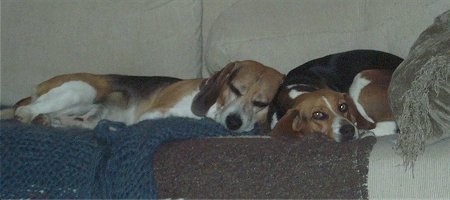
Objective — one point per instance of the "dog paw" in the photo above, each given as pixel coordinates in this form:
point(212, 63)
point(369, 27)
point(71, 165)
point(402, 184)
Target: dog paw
point(366, 133)
point(41, 119)
point(23, 115)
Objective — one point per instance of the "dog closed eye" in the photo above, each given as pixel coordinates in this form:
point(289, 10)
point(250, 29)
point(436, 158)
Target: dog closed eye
point(260, 104)
point(235, 90)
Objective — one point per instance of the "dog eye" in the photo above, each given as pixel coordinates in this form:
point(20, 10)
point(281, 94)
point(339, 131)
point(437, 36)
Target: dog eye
point(235, 90)
point(260, 104)
point(343, 107)
point(319, 116)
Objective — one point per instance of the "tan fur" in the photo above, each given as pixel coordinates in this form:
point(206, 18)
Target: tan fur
point(99, 82)
point(374, 97)
point(298, 121)
point(257, 83)
point(167, 97)
point(300, 115)
point(253, 82)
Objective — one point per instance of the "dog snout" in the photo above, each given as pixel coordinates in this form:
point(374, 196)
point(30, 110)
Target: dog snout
point(233, 122)
point(347, 132)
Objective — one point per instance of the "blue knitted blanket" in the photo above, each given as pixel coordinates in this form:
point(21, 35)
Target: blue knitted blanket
point(112, 161)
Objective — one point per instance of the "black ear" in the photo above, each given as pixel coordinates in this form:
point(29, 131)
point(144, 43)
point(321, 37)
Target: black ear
point(211, 88)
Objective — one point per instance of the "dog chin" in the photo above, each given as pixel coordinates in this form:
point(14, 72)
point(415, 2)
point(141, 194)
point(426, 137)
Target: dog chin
point(247, 128)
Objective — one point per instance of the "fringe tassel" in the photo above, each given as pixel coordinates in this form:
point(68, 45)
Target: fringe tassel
point(415, 123)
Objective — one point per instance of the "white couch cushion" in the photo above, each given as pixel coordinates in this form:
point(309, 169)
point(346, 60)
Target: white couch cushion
point(44, 38)
point(389, 179)
point(288, 33)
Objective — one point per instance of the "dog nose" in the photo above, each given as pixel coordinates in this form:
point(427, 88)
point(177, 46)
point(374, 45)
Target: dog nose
point(347, 131)
point(233, 122)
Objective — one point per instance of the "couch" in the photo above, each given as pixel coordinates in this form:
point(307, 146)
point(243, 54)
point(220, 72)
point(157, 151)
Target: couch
point(194, 38)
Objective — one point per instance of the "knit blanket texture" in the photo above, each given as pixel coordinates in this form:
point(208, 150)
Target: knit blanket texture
point(112, 161)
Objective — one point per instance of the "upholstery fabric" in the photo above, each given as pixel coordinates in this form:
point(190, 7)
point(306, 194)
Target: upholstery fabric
point(285, 35)
point(429, 179)
point(41, 39)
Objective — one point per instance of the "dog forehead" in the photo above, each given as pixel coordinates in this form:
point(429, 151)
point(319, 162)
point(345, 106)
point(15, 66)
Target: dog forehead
point(322, 99)
point(256, 69)
point(328, 95)
point(267, 79)
point(333, 97)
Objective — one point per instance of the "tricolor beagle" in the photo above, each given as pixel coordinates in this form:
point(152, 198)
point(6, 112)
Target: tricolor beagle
point(237, 97)
point(337, 96)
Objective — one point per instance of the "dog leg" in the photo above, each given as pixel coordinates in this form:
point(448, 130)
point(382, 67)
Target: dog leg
point(58, 98)
point(385, 128)
point(86, 116)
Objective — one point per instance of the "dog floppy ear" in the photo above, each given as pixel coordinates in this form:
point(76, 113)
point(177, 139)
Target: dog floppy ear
point(211, 88)
point(361, 122)
point(289, 125)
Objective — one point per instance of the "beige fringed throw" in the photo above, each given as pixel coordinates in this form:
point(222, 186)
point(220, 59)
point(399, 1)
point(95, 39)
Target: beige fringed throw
point(420, 91)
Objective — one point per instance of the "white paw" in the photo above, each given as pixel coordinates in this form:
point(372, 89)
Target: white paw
point(23, 114)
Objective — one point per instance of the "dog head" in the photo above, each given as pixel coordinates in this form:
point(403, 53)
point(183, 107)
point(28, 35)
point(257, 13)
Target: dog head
point(324, 111)
point(238, 96)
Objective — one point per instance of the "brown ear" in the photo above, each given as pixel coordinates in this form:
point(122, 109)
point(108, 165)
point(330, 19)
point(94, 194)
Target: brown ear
point(361, 122)
point(211, 88)
point(289, 125)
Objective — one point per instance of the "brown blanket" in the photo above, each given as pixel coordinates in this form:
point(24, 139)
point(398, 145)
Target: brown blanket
point(243, 167)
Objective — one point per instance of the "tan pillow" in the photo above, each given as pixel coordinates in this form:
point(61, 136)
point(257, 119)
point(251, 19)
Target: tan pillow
point(420, 91)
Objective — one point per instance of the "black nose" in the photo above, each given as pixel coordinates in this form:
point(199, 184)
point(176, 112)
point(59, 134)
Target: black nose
point(233, 122)
point(347, 131)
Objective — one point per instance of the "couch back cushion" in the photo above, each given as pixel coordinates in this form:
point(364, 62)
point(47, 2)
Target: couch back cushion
point(288, 33)
point(41, 39)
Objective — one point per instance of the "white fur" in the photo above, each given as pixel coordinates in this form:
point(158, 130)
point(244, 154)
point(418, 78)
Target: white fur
point(385, 128)
point(128, 115)
point(181, 109)
point(236, 106)
point(152, 115)
point(70, 116)
point(88, 115)
point(72, 104)
point(337, 122)
point(213, 111)
point(355, 91)
point(66, 95)
point(274, 121)
point(335, 126)
point(294, 93)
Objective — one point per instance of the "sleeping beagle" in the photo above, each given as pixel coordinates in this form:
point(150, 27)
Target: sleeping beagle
point(337, 96)
point(236, 97)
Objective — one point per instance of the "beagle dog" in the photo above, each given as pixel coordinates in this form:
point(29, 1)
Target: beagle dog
point(337, 96)
point(236, 97)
